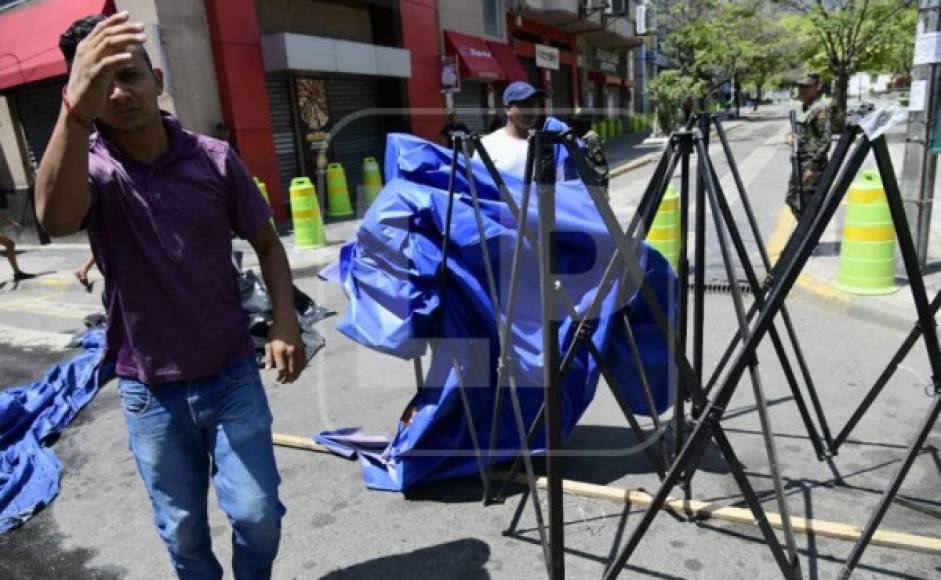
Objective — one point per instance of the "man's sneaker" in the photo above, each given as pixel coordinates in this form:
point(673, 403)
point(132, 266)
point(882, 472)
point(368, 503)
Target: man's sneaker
point(22, 276)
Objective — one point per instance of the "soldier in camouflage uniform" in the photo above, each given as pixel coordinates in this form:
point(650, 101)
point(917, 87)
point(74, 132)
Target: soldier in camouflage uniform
point(813, 138)
point(594, 150)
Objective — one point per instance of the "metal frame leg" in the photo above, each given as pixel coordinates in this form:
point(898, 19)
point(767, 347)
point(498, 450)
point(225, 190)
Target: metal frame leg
point(929, 336)
point(711, 184)
point(883, 379)
point(785, 315)
point(789, 270)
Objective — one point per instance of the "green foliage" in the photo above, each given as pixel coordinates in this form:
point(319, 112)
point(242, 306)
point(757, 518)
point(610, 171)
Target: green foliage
point(713, 41)
point(694, 40)
point(771, 52)
point(843, 37)
point(668, 91)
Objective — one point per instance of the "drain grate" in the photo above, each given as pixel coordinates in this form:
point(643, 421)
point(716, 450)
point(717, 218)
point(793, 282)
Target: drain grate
point(723, 287)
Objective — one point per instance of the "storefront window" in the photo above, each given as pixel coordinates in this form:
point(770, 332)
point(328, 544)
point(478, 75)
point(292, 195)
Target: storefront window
point(493, 18)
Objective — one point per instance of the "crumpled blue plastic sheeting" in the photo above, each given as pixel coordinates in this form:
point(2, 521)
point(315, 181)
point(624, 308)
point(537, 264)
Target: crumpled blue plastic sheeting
point(390, 274)
point(31, 416)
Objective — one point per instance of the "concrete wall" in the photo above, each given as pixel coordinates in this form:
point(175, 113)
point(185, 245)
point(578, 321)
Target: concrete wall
point(328, 19)
point(466, 17)
point(178, 42)
point(12, 172)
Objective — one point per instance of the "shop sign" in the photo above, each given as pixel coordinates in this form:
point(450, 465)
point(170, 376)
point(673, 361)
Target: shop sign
point(450, 78)
point(547, 57)
point(607, 61)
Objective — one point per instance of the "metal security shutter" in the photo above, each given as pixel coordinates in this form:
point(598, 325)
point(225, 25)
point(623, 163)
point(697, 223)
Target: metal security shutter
point(38, 107)
point(357, 139)
point(282, 124)
point(562, 91)
point(471, 105)
point(534, 72)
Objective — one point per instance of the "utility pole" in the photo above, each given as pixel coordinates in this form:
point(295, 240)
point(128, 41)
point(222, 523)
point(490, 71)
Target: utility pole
point(920, 164)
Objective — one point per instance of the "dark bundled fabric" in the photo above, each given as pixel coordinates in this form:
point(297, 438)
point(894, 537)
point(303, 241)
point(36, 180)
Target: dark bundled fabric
point(390, 273)
point(257, 303)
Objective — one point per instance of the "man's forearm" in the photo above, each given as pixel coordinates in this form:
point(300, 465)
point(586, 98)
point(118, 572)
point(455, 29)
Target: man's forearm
point(62, 196)
point(277, 275)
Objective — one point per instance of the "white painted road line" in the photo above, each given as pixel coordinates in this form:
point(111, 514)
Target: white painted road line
point(28, 338)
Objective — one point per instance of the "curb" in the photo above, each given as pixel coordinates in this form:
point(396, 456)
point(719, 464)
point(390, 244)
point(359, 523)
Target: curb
point(652, 157)
point(824, 294)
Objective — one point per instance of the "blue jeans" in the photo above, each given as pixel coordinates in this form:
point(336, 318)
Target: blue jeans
point(184, 432)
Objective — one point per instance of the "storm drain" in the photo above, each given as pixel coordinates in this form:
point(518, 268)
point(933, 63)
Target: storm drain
point(723, 287)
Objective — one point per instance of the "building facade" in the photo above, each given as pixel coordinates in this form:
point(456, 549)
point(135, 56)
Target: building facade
point(295, 84)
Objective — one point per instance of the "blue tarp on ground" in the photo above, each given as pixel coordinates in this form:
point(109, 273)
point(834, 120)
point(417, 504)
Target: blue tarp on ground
point(31, 416)
point(390, 274)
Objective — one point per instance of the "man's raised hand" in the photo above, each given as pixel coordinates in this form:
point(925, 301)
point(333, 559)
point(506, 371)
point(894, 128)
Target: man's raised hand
point(102, 53)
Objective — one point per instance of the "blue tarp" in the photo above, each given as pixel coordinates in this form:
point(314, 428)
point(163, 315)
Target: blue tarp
point(31, 416)
point(390, 274)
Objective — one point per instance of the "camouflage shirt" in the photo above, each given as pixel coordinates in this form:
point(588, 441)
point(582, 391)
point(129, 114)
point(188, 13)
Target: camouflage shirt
point(813, 126)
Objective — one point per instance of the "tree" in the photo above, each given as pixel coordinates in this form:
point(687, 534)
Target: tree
point(848, 36)
point(770, 52)
point(689, 40)
point(668, 91)
point(711, 42)
point(693, 42)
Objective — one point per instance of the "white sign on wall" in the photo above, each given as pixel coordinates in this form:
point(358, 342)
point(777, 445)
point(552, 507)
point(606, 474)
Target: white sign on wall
point(916, 98)
point(547, 57)
point(450, 77)
point(927, 48)
point(609, 62)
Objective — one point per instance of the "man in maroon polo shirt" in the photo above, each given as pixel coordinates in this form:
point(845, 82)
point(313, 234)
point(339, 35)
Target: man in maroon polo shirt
point(159, 204)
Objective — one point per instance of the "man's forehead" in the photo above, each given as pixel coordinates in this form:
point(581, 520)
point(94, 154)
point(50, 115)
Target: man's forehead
point(141, 59)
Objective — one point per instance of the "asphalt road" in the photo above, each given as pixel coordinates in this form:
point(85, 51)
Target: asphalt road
point(100, 527)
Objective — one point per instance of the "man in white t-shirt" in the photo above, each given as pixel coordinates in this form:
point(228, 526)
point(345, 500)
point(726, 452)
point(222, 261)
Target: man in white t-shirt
point(507, 146)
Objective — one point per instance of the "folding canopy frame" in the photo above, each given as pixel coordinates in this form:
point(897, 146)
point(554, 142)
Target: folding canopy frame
point(740, 355)
point(541, 165)
point(833, 186)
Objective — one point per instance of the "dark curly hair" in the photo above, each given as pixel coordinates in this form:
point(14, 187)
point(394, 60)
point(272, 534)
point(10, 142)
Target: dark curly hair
point(68, 42)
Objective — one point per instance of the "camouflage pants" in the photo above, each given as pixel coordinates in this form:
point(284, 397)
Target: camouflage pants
point(798, 198)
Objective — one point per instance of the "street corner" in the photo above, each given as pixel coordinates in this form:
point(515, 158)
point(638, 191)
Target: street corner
point(815, 281)
point(818, 282)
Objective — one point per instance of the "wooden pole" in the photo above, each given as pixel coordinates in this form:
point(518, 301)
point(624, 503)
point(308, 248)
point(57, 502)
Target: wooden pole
point(637, 497)
point(298, 443)
point(744, 516)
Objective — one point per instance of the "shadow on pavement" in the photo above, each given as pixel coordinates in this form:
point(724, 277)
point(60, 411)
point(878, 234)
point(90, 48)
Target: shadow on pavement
point(458, 559)
point(595, 454)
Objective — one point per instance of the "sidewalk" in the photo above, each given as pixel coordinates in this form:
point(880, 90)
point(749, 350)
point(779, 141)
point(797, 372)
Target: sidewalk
point(55, 263)
point(627, 148)
point(896, 310)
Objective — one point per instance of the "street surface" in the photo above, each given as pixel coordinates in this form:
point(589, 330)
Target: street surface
point(99, 526)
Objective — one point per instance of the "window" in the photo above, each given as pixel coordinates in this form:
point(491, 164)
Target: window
point(493, 18)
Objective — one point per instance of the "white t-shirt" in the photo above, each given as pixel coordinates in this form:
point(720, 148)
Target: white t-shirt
point(508, 152)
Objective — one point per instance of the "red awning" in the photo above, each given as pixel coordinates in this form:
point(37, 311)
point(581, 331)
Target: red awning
point(511, 65)
point(476, 58)
point(29, 37)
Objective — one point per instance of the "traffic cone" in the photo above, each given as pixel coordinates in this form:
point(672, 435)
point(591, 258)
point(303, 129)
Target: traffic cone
point(867, 253)
point(264, 193)
point(338, 194)
point(305, 212)
point(664, 234)
point(372, 181)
